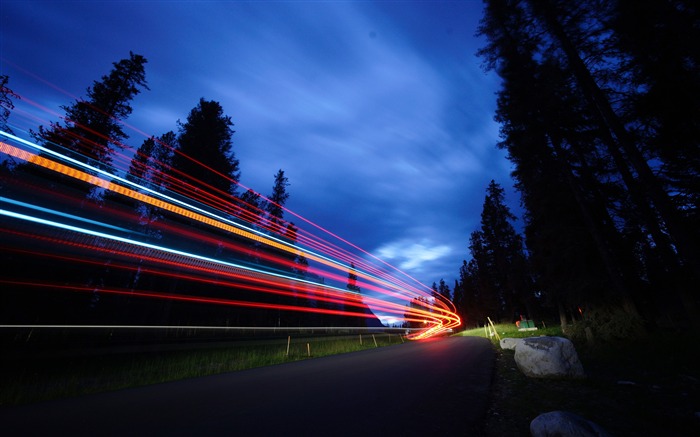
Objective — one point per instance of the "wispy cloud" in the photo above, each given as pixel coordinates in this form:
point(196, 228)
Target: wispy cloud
point(412, 255)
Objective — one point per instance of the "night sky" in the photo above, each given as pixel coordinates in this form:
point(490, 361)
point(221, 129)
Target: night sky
point(378, 112)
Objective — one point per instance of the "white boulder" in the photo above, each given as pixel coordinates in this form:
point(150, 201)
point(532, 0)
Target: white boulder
point(548, 357)
point(564, 424)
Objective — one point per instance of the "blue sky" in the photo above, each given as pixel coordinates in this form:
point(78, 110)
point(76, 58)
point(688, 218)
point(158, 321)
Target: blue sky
point(378, 112)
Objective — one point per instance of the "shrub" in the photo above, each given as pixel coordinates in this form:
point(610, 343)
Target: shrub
point(607, 323)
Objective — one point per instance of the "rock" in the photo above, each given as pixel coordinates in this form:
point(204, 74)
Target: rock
point(564, 424)
point(509, 343)
point(548, 357)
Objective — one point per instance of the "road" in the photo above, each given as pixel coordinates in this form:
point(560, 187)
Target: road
point(435, 387)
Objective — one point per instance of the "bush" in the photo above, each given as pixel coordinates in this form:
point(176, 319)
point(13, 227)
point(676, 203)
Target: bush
point(607, 324)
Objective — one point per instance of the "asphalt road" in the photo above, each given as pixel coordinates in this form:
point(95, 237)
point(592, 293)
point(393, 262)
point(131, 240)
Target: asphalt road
point(429, 388)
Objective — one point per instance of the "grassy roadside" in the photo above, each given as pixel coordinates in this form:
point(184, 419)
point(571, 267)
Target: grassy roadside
point(39, 376)
point(644, 388)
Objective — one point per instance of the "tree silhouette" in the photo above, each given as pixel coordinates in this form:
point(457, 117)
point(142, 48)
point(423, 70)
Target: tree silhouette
point(279, 196)
point(6, 105)
point(204, 159)
point(496, 277)
point(92, 130)
point(252, 205)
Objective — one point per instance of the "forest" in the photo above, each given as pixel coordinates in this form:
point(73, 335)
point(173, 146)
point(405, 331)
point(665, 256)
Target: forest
point(598, 112)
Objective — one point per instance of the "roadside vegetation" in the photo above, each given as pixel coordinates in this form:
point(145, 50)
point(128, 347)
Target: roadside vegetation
point(39, 376)
point(643, 387)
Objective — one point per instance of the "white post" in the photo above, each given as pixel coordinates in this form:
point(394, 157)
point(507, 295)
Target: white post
point(289, 339)
point(375, 341)
point(498, 337)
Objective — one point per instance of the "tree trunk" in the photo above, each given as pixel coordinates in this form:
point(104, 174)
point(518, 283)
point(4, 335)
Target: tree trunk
point(611, 265)
point(562, 317)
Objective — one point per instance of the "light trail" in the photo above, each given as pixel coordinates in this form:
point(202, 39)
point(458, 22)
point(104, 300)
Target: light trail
point(265, 284)
point(186, 210)
point(191, 299)
point(184, 188)
point(60, 214)
point(218, 213)
point(270, 281)
point(305, 237)
point(207, 198)
point(215, 328)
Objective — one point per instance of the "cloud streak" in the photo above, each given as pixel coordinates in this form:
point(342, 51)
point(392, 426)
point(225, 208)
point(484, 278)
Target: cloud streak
point(411, 255)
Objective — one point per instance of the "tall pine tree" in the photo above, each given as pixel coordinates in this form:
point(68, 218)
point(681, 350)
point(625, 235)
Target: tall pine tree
point(496, 279)
point(92, 129)
point(6, 104)
point(279, 196)
point(204, 164)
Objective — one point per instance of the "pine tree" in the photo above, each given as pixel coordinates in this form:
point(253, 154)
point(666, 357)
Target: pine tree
point(149, 169)
point(204, 159)
point(6, 104)
point(480, 298)
point(92, 129)
point(279, 196)
point(499, 259)
point(458, 301)
point(252, 207)
point(444, 291)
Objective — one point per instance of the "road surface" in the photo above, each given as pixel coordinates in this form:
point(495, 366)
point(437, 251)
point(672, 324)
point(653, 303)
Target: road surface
point(436, 387)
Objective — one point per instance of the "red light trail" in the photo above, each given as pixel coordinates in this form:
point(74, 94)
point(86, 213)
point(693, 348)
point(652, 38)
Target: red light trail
point(61, 231)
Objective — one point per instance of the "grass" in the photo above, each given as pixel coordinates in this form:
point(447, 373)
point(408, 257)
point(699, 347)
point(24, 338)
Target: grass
point(39, 376)
point(644, 388)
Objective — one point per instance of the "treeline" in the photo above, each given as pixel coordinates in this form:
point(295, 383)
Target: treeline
point(598, 109)
point(57, 276)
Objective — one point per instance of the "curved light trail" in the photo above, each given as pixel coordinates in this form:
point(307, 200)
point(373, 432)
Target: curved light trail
point(47, 224)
